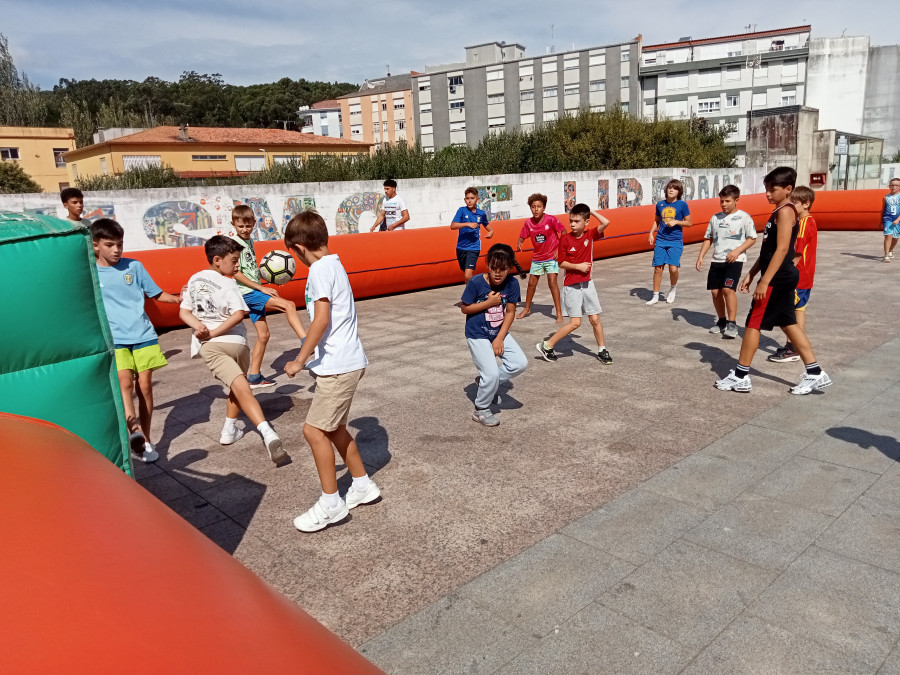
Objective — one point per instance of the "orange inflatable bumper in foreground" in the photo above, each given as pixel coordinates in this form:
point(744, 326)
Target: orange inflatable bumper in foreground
point(380, 263)
point(98, 576)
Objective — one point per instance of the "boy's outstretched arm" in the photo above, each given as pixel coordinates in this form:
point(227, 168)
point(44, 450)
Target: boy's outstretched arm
point(489, 230)
point(168, 297)
point(316, 330)
point(378, 220)
point(242, 278)
point(704, 248)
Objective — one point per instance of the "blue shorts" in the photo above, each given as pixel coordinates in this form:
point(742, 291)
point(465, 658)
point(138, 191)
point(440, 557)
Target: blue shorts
point(467, 259)
point(256, 301)
point(890, 230)
point(801, 298)
point(667, 254)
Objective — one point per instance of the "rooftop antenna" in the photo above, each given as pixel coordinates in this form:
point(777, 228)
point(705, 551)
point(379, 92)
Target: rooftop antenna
point(750, 27)
point(388, 67)
point(552, 38)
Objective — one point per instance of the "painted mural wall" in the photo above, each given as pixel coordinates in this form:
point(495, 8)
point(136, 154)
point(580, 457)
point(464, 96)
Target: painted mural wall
point(165, 218)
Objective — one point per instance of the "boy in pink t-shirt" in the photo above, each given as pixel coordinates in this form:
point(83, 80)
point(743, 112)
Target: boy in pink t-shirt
point(544, 231)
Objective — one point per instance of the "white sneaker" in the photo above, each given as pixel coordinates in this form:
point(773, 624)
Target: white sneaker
point(150, 454)
point(670, 296)
point(230, 436)
point(275, 447)
point(654, 299)
point(356, 497)
point(734, 383)
point(810, 382)
point(320, 516)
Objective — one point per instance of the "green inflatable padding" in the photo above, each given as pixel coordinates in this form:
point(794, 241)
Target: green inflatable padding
point(57, 361)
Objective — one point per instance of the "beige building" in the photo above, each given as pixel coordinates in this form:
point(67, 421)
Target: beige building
point(40, 151)
point(206, 152)
point(381, 112)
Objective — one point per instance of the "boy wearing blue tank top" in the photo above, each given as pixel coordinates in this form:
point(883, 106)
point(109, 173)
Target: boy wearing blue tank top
point(890, 218)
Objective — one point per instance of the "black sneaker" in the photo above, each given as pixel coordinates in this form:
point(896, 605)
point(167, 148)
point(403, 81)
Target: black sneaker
point(604, 357)
point(547, 354)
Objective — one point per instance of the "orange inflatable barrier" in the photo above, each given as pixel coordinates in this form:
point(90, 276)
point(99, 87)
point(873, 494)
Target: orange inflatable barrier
point(98, 576)
point(380, 263)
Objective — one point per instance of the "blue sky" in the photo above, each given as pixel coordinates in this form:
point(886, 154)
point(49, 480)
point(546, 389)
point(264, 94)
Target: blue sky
point(265, 40)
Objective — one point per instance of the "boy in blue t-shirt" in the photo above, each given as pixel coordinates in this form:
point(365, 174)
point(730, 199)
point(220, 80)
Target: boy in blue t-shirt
point(123, 284)
point(890, 218)
point(469, 220)
point(489, 303)
point(672, 214)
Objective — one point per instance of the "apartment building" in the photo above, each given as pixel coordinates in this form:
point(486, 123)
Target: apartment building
point(722, 79)
point(40, 151)
point(497, 88)
point(322, 119)
point(381, 112)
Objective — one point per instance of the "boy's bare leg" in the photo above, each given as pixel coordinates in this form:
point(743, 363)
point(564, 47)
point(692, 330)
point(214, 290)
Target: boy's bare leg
point(573, 325)
point(893, 244)
point(749, 345)
point(323, 454)
point(673, 275)
point(729, 302)
point(529, 296)
point(598, 329)
point(718, 299)
point(801, 320)
point(657, 277)
point(241, 398)
point(800, 343)
point(259, 349)
point(126, 384)
point(290, 310)
point(888, 239)
point(554, 292)
point(348, 450)
point(145, 400)
point(468, 274)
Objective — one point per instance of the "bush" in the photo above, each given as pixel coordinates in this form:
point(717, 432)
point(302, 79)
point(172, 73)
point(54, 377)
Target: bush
point(14, 180)
point(135, 179)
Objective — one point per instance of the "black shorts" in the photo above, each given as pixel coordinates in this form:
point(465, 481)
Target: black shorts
point(776, 309)
point(724, 275)
point(467, 259)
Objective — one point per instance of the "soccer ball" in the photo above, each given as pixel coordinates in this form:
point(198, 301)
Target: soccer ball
point(277, 267)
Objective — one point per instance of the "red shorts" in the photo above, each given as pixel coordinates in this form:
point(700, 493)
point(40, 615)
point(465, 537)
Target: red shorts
point(776, 309)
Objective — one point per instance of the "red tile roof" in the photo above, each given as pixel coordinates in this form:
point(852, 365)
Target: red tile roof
point(230, 136)
point(729, 38)
point(330, 103)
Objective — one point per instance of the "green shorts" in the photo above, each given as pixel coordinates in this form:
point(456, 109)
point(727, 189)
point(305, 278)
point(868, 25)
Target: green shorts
point(140, 359)
point(544, 267)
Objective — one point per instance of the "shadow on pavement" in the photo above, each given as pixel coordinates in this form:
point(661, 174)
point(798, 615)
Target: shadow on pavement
point(641, 293)
point(865, 257)
point(720, 362)
point(372, 440)
point(886, 445)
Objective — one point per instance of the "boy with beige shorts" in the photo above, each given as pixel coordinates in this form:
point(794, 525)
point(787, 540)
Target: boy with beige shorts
point(213, 306)
point(338, 366)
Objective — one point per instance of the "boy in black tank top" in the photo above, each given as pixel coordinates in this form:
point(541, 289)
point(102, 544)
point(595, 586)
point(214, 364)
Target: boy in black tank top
point(773, 298)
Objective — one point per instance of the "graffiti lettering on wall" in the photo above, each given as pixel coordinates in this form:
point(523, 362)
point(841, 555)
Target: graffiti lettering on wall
point(569, 195)
point(629, 192)
point(703, 189)
point(265, 229)
point(489, 195)
point(353, 207)
point(602, 194)
point(297, 204)
point(177, 224)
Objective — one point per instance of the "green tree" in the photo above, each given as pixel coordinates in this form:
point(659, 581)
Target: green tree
point(77, 116)
point(21, 104)
point(14, 180)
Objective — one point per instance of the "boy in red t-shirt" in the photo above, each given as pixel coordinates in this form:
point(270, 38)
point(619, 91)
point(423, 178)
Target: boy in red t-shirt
point(576, 255)
point(805, 261)
point(544, 231)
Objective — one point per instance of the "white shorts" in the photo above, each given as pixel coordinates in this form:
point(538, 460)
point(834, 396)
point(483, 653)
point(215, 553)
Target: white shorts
point(580, 299)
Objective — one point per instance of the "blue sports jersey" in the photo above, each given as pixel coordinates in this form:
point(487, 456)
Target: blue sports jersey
point(676, 210)
point(892, 206)
point(470, 237)
point(123, 287)
point(485, 325)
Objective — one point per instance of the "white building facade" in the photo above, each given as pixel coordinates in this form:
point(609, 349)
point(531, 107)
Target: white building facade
point(322, 119)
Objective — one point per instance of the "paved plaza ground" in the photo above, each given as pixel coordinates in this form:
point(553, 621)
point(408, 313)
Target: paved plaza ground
point(623, 518)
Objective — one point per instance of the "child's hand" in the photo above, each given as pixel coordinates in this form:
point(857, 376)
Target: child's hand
point(271, 292)
point(497, 344)
point(731, 257)
point(293, 367)
point(760, 293)
point(489, 235)
point(744, 286)
point(699, 264)
point(651, 239)
point(493, 299)
point(584, 267)
point(518, 246)
point(202, 333)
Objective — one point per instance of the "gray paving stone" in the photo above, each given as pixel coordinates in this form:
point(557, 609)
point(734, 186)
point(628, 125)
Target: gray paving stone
point(816, 485)
point(752, 646)
point(635, 526)
point(761, 531)
point(855, 447)
point(869, 531)
point(688, 592)
point(707, 482)
point(887, 488)
point(597, 640)
point(453, 635)
point(844, 604)
point(164, 487)
point(807, 415)
point(757, 445)
point(891, 665)
point(546, 584)
point(196, 510)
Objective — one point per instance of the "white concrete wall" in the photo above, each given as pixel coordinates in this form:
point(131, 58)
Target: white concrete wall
point(161, 218)
point(836, 81)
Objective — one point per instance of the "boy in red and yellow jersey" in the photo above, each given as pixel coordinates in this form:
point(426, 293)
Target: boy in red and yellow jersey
point(805, 260)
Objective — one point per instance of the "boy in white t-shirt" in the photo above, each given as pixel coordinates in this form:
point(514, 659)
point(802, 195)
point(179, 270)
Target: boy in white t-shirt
point(338, 366)
point(730, 233)
point(213, 306)
point(394, 214)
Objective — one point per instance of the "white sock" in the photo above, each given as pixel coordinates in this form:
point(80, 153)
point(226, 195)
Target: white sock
point(230, 423)
point(361, 483)
point(265, 428)
point(331, 501)
point(601, 348)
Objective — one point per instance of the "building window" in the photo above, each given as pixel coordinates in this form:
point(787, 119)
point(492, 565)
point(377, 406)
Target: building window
point(732, 101)
point(550, 115)
point(59, 157)
point(207, 158)
point(400, 125)
point(355, 110)
point(550, 92)
point(676, 81)
point(626, 55)
point(323, 131)
point(63, 186)
point(598, 85)
point(759, 100)
point(376, 127)
point(425, 86)
point(457, 105)
point(706, 106)
point(732, 73)
point(103, 170)
point(548, 65)
point(598, 108)
point(571, 63)
point(762, 70)
point(597, 59)
point(495, 98)
point(527, 119)
point(457, 126)
point(134, 161)
point(249, 163)
point(788, 97)
point(455, 80)
point(526, 95)
point(709, 78)
point(676, 109)
point(625, 106)
point(287, 159)
point(571, 91)
point(427, 129)
point(384, 105)
point(495, 122)
point(625, 81)
point(494, 75)
point(399, 106)
point(384, 126)
point(789, 71)
point(75, 171)
point(356, 130)
point(425, 108)
point(9, 153)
